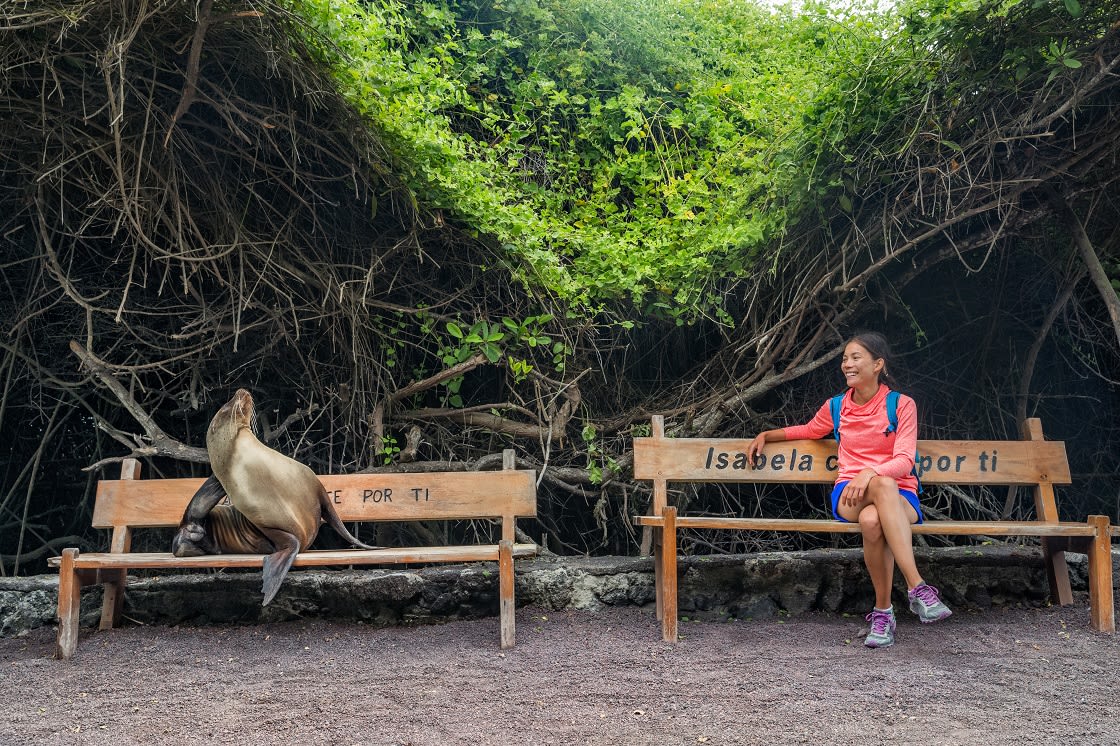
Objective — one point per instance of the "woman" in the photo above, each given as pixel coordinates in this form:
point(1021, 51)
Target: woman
point(876, 485)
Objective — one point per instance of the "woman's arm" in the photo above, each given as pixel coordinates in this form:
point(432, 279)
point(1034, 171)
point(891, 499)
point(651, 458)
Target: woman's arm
point(818, 427)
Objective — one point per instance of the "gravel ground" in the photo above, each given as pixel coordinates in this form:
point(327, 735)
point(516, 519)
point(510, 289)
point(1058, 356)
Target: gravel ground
point(1002, 676)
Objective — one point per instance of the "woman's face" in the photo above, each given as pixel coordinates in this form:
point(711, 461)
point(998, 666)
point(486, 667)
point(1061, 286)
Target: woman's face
point(860, 367)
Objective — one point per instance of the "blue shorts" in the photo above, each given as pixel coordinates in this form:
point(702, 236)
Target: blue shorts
point(910, 498)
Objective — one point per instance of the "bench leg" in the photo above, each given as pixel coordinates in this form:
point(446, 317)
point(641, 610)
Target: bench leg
point(506, 605)
point(1102, 613)
point(659, 594)
point(1058, 573)
point(69, 605)
point(113, 600)
point(668, 562)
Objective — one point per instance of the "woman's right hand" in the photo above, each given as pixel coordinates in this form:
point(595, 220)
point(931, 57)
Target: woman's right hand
point(754, 450)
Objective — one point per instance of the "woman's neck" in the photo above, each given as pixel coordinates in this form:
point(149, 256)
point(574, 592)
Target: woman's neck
point(863, 394)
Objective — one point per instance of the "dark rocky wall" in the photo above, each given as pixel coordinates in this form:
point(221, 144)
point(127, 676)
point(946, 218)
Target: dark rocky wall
point(740, 586)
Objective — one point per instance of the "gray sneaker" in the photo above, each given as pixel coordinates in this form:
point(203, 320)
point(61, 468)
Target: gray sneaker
point(925, 601)
point(882, 629)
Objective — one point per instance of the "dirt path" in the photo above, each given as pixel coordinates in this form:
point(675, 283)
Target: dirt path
point(1036, 676)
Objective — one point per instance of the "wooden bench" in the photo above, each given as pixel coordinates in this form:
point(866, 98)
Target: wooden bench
point(1031, 462)
point(130, 503)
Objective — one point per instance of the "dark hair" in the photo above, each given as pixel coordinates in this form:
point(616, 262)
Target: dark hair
point(880, 349)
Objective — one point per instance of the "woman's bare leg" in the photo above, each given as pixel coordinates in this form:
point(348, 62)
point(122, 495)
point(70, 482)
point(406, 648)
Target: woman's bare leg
point(895, 516)
point(877, 556)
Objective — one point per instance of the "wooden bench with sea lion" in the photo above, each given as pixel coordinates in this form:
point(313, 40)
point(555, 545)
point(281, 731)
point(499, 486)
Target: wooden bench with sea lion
point(131, 503)
point(1031, 462)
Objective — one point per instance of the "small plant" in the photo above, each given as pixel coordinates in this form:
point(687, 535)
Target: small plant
point(520, 369)
point(388, 449)
point(530, 330)
point(482, 335)
point(598, 462)
point(1061, 59)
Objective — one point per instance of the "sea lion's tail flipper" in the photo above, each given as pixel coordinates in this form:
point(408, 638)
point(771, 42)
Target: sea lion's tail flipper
point(276, 565)
point(330, 515)
point(193, 537)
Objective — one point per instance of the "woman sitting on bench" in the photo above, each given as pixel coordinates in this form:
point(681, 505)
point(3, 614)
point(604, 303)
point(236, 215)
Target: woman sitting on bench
point(876, 485)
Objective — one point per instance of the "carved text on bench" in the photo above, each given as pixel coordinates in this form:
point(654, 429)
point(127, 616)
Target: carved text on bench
point(722, 460)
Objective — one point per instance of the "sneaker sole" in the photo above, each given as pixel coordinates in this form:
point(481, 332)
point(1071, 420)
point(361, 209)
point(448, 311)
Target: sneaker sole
point(948, 613)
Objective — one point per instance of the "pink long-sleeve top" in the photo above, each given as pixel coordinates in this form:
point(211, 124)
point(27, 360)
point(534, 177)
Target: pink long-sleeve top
point(864, 441)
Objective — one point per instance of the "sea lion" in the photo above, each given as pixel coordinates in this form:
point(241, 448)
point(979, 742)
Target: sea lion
point(276, 503)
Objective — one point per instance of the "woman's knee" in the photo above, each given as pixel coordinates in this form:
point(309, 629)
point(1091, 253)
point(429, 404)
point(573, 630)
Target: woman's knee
point(869, 524)
point(881, 486)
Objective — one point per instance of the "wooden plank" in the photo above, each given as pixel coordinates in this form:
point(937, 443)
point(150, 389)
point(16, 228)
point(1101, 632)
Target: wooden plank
point(1001, 462)
point(506, 604)
point(130, 469)
point(1046, 508)
point(112, 601)
point(69, 605)
point(658, 586)
point(660, 496)
point(313, 558)
point(948, 528)
point(668, 561)
point(155, 503)
point(1101, 609)
point(144, 503)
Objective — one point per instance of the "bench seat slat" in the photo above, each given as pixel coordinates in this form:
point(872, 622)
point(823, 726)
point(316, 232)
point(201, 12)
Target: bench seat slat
point(956, 528)
point(312, 558)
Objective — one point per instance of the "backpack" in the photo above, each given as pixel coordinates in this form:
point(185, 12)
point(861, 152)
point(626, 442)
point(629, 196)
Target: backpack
point(892, 423)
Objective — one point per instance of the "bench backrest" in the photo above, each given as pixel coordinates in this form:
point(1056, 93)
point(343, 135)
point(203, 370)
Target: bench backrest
point(1031, 461)
point(131, 502)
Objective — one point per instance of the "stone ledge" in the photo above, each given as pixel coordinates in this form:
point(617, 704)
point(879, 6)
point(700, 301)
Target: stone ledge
point(742, 586)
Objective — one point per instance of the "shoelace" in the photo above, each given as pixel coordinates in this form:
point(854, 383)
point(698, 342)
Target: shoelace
point(927, 594)
point(880, 621)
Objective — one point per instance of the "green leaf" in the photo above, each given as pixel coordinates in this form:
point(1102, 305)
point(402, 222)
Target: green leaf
point(454, 330)
point(1074, 8)
point(492, 352)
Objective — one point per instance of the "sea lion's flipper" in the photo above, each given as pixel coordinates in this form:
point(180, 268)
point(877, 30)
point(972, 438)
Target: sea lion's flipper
point(204, 500)
point(330, 515)
point(193, 538)
point(276, 565)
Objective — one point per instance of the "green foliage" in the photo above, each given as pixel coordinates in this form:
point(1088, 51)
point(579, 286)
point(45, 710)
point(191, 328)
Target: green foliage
point(616, 148)
point(653, 151)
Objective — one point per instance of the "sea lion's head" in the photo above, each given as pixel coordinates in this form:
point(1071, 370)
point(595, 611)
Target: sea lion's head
point(234, 416)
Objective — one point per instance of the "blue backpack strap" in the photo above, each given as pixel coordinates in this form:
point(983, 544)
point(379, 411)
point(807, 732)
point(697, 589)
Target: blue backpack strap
point(892, 411)
point(892, 422)
point(834, 408)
